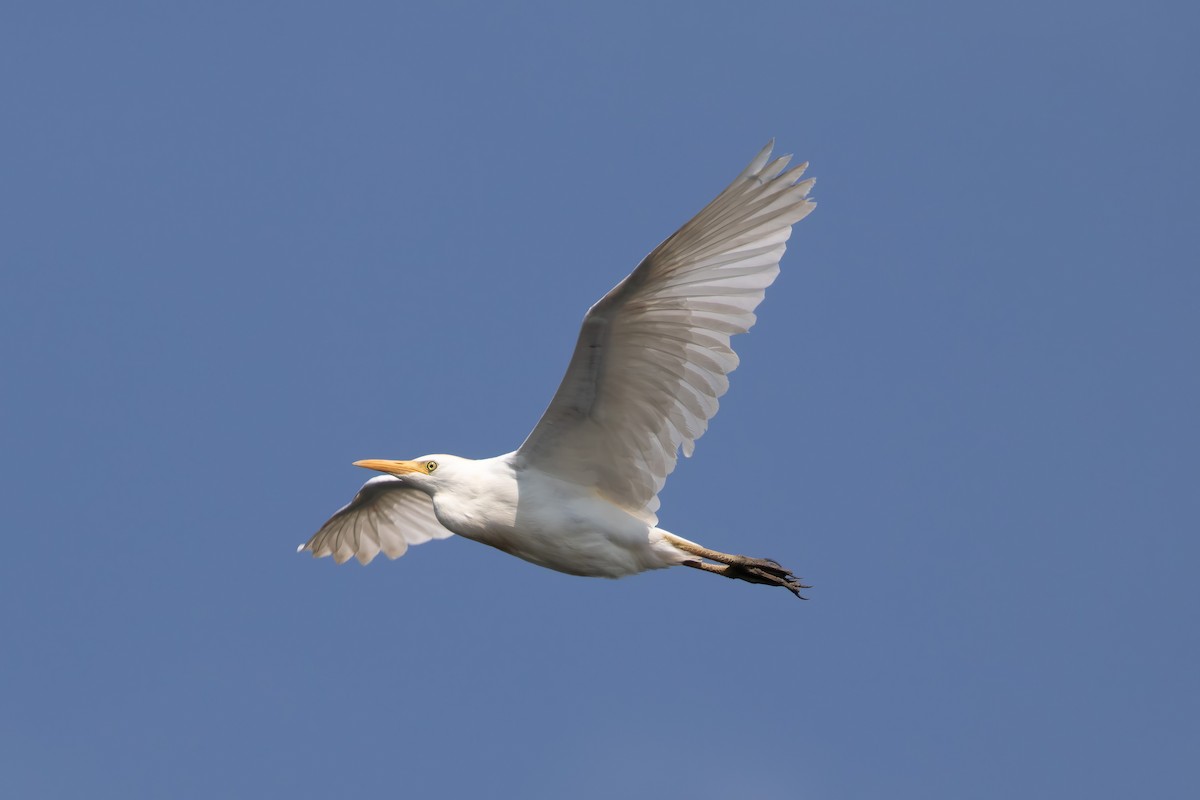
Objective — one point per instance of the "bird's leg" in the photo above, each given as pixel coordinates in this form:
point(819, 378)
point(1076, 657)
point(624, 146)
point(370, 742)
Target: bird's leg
point(751, 570)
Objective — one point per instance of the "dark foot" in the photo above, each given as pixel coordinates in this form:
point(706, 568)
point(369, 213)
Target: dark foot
point(752, 570)
point(768, 572)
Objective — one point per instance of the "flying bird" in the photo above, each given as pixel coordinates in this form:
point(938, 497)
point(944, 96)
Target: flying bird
point(580, 495)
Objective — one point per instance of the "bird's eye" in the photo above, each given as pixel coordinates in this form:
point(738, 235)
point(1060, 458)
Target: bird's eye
point(430, 466)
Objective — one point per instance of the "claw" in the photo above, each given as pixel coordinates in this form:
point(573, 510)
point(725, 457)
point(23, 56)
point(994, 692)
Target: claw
point(752, 570)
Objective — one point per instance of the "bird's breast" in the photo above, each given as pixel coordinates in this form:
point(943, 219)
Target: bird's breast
point(475, 516)
point(562, 526)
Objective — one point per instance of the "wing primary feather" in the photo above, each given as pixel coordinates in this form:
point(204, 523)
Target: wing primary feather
point(385, 516)
point(653, 355)
point(756, 165)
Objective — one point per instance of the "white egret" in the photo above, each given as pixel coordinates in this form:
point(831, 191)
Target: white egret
point(580, 495)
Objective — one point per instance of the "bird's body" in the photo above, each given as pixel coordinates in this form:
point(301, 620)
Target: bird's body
point(580, 495)
point(554, 523)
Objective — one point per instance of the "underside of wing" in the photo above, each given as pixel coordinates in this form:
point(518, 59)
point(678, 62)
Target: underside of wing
point(653, 355)
point(384, 515)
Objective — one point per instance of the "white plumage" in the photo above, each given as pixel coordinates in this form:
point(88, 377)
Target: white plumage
point(381, 517)
point(580, 495)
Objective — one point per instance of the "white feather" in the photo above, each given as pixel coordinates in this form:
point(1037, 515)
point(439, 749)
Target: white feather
point(384, 516)
point(652, 356)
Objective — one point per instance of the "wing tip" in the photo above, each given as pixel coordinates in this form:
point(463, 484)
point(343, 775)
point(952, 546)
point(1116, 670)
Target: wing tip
point(759, 161)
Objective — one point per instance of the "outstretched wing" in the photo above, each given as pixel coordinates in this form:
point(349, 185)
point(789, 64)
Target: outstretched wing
point(653, 355)
point(384, 515)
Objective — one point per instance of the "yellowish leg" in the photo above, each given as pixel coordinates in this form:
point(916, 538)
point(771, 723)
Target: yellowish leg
point(751, 570)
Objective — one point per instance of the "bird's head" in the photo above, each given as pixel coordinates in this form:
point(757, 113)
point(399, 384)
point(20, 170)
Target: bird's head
point(426, 472)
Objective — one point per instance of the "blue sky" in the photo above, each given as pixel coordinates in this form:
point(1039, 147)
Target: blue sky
point(246, 245)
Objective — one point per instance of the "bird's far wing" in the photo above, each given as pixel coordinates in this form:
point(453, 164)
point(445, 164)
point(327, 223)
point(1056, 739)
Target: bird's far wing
point(653, 354)
point(384, 515)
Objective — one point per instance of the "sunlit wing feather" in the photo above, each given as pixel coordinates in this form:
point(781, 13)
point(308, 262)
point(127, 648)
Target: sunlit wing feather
point(653, 354)
point(384, 515)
